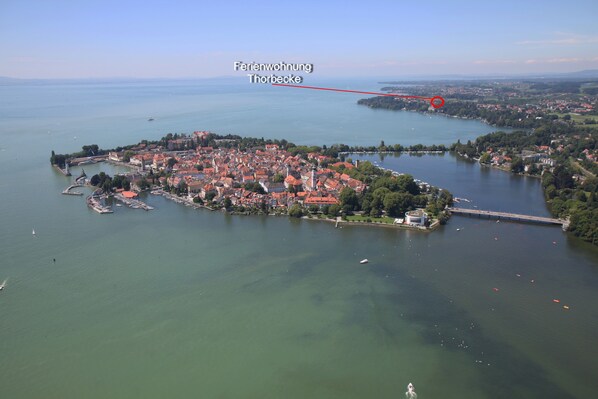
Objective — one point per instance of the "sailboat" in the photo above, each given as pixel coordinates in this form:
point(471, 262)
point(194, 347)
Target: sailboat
point(33, 232)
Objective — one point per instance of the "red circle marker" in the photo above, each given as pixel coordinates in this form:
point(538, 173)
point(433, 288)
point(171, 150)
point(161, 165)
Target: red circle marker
point(436, 102)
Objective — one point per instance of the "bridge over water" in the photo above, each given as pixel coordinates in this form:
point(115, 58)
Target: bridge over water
point(509, 216)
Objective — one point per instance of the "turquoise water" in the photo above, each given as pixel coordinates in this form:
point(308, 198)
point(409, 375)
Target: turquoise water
point(178, 302)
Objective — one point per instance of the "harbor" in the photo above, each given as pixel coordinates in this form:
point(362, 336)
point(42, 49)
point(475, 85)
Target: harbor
point(179, 200)
point(94, 202)
point(132, 202)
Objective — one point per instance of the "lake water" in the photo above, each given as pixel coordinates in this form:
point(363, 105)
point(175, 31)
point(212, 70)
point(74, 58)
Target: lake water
point(179, 302)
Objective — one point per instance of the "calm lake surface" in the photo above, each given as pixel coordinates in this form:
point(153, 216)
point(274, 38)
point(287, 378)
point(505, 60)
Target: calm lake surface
point(179, 302)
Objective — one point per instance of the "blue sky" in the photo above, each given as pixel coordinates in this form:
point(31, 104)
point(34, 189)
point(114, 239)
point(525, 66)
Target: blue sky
point(144, 39)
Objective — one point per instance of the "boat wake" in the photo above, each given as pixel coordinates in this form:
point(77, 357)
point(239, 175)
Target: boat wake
point(410, 394)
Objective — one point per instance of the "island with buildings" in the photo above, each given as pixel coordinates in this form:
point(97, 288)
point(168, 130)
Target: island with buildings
point(557, 142)
point(247, 175)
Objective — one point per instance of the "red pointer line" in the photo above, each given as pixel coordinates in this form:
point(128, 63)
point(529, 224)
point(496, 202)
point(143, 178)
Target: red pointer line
point(435, 102)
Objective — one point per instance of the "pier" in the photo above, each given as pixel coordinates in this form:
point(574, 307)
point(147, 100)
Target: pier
point(64, 171)
point(67, 191)
point(509, 216)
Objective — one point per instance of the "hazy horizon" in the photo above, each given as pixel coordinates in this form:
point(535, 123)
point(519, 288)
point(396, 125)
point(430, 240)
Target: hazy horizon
point(593, 73)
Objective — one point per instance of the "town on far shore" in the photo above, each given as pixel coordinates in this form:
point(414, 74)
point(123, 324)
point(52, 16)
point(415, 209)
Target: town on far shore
point(248, 175)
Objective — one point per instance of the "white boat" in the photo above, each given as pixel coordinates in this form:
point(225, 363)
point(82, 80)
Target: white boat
point(410, 394)
point(364, 261)
point(3, 284)
point(33, 232)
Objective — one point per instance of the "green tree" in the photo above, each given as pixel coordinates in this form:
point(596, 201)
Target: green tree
point(143, 184)
point(485, 158)
point(296, 211)
point(406, 183)
point(550, 192)
point(348, 199)
point(563, 177)
point(95, 180)
point(396, 204)
point(210, 195)
point(107, 185)
point(517, 165)
point(127, 156)
point(227, 203)
point(334, 210)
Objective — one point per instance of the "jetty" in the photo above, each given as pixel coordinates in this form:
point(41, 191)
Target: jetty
point(516, 217)
point(81, 178)
point(67, 191)
point(64, 171)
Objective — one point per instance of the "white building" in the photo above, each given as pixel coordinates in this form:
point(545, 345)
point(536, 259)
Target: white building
point(416, 218)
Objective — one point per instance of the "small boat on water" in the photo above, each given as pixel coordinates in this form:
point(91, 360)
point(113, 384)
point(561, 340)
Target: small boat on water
point(3, 284)
point(410, 394)
point(364, 261)
point(33, 232)
point(150, 119)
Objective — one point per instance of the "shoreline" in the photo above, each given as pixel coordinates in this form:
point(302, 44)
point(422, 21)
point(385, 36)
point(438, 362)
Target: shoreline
point(180, 200)
point(344, 223)
point(452, 116)
point(495, 167)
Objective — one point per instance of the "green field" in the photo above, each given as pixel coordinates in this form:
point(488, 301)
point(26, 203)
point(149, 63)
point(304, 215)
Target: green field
point(579, 119)
point(360, 218)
